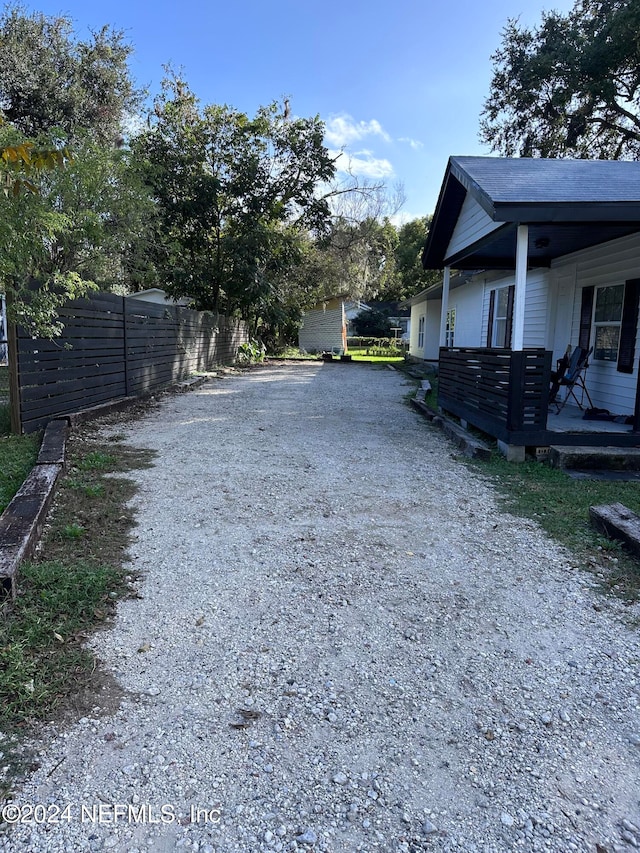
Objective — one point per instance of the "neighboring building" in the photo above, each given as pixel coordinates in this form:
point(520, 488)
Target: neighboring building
point(156, 294)
point(547, 255)
point(351, 310)
point(399, 315)
point(324, 327)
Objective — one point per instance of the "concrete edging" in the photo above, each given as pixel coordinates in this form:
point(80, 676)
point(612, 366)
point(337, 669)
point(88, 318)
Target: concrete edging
point(472, 447)
point(23, 519)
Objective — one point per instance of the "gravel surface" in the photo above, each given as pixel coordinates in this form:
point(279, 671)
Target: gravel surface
point(342, 645)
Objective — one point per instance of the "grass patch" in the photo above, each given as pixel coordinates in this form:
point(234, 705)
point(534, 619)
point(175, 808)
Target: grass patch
point(18, 454)
point(560, 505)
point(375, 355)
point(45, 669)
point(5, 419)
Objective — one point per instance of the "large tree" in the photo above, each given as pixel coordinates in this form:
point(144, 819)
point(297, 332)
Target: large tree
point(411, 276)
point(71, 208)
point(49, 79)
point(233, 193)
point(570, 87)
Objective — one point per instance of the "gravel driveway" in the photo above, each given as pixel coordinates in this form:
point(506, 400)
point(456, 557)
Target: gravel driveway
point(349, 648)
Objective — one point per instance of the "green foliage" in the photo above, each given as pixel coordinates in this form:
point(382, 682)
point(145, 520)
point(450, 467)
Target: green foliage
point(252, 352)
point(412, 277)
point(77, 232)
point(86, 212)
point(356, 257)
point(22, 161)
point(374, 324)
point(234, 196)
point(570, 87)
point(50, 80)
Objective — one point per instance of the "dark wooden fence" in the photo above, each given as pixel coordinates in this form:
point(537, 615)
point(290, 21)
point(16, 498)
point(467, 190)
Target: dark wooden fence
point(502, 392)
point(113, 347)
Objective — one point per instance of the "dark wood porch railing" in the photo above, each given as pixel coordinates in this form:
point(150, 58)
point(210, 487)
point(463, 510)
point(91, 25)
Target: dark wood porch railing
point(504, 393)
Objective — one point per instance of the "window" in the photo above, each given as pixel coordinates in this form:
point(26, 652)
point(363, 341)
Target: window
point(607, 319)
point(450, 328)
point(421, 332)
point(500, 317)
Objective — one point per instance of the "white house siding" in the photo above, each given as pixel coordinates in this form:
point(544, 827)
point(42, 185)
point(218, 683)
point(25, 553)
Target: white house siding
point(536, 307)
point(467, 301)
point(430, 310)
point(321, 329)
point(612, 263)
point(473, 224)
point(432, 330)
point(417, 311)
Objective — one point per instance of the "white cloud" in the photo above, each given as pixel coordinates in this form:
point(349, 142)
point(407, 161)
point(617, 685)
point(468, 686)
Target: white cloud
point(362, 164)
point(413, 143)
point(344, 130)
point(402, 217)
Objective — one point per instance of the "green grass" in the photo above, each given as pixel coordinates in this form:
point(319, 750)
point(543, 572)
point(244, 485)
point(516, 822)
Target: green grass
point(41, 656)
point(5, 419)
point(18, 454)
point(45, 668)
point(375, 356)
point(96, 461)
point(560, 505)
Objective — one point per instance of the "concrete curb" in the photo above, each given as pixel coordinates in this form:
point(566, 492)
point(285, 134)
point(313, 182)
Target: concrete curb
point(472, 447)
point(22, 521)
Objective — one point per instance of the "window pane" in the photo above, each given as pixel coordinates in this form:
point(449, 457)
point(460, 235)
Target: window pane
point(606, 345)
point(609, 303)
point(503, 302)
point(501, 330)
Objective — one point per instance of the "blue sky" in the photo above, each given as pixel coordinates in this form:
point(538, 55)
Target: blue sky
point(400, 84)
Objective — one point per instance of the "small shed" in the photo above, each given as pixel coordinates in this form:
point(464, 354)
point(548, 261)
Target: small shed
point(324, 327)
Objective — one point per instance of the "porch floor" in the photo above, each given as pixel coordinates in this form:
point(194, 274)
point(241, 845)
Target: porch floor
point(571, 419)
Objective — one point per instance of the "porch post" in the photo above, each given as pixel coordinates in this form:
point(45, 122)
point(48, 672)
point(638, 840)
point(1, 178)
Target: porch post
point(522, 251)
point(445, 306)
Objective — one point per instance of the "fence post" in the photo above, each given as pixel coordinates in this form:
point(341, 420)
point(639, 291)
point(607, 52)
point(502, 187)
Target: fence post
point(14, 369)
point(125, 359)
point(515, 405)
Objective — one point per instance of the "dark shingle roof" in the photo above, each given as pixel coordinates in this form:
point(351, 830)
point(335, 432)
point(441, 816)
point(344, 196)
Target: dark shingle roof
point(593, 200)
point(519, 180)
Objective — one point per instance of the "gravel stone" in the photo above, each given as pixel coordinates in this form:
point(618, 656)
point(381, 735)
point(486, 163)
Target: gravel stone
point(324, 585)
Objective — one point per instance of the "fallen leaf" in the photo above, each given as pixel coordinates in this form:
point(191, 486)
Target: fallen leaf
point(58, 637)
point(199, 621)
point(145, 647)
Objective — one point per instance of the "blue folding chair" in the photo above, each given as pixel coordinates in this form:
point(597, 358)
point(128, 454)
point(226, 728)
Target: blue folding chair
point(571, 377)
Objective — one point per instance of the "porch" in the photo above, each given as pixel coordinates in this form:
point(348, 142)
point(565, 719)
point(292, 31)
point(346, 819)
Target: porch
point(505, 394)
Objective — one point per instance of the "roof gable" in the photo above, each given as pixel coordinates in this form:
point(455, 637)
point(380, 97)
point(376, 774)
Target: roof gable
point(604, 194)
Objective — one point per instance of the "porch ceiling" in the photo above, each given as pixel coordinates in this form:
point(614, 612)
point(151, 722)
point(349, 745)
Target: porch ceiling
point(547, 241)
